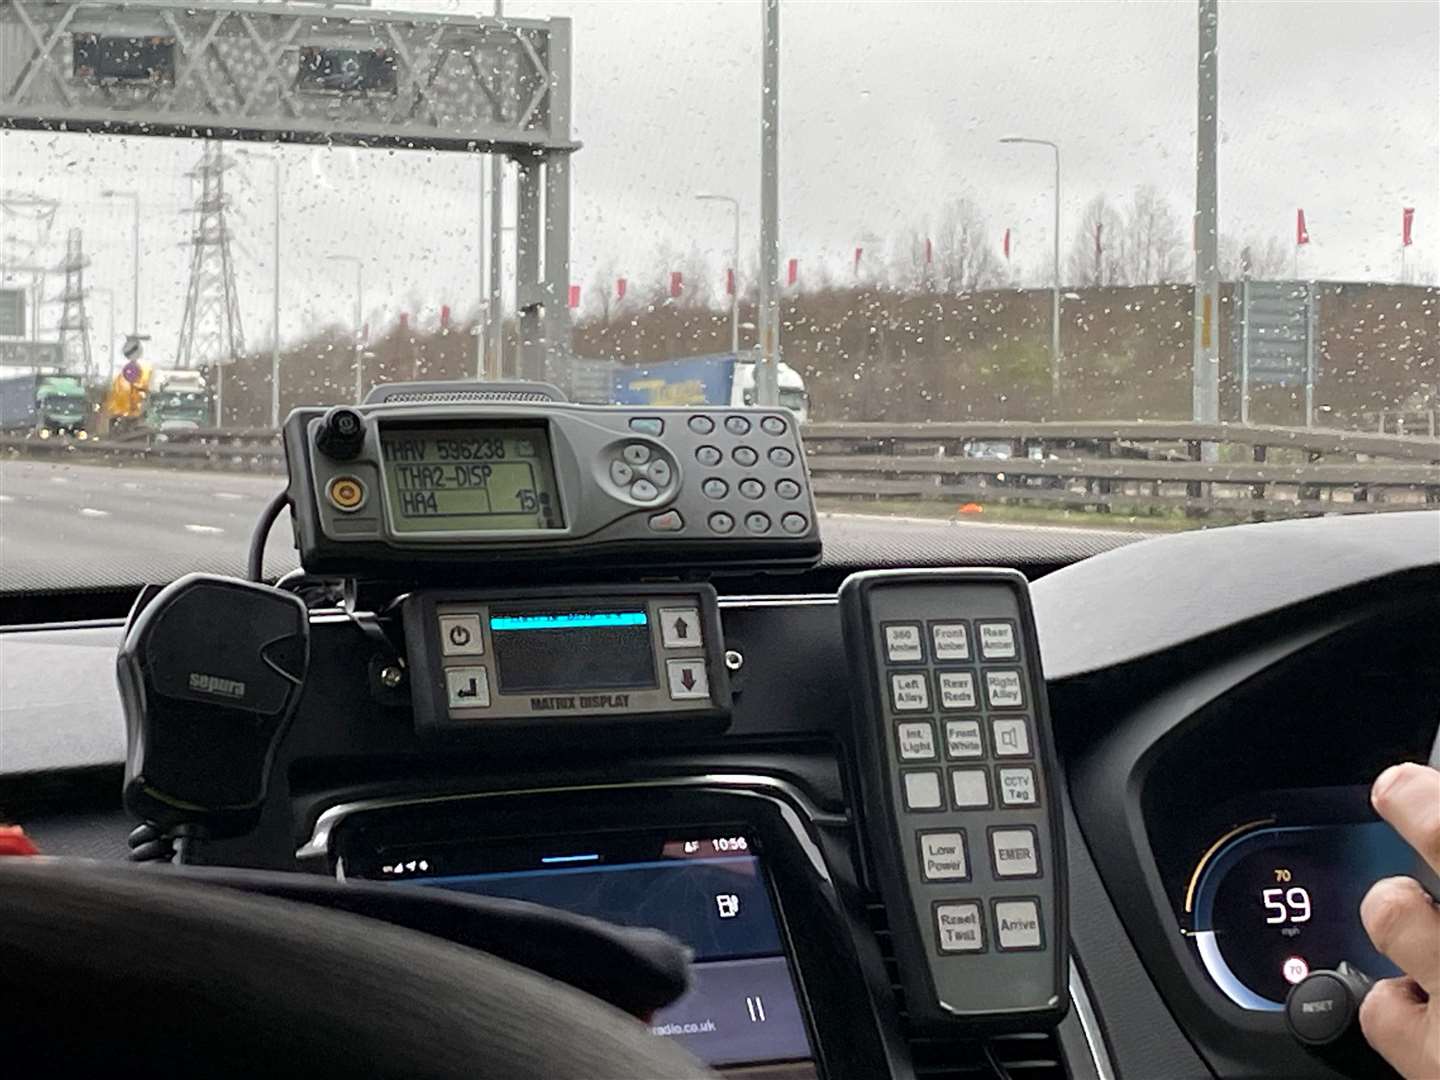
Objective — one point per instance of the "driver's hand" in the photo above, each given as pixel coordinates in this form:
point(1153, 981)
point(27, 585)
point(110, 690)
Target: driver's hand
point(1401, 1016)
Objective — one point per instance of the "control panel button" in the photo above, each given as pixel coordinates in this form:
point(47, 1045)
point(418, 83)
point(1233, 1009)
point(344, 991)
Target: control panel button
point(467, 687)
point(1017, 785)
point(1013, 852)
point(922, 789)
point(669, 521)
point(951, 640)
point(1010, 737)
point(636, 453)
point(1017, 925)
point(708, 455)
point(969, 788)
point(680, 628)
point(963, 739)
point(787, 489)
point(737, 425)
point(346, 493)
point(722, 522)
point(620, 473)
point(757, 522)
point(744, 455)
point(659, 473)
point(957, 689)
point(773, 425)
point(643, 491)
point(751, 488)
point(958, 927)
point(916, 741)
point(781, 456)
point(902, 643)
point(647, 425)
point(1003, 690)
point(715, 488)
point(942, 856)
point(687, 678)
point(909, 692)
point(460, 636)
point(794, 523)
point(701, 425)
point(997, 640)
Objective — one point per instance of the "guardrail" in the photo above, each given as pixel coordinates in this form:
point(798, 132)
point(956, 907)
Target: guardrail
point(1252, 472)
point(1236, 470)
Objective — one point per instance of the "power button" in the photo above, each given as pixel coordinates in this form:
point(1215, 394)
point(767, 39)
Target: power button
point(346, 493)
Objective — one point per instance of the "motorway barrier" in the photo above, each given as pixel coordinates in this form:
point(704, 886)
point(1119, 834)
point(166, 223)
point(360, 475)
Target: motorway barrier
point(1232, 470)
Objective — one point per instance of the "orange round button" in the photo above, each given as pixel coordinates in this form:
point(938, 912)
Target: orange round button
point(346, 493)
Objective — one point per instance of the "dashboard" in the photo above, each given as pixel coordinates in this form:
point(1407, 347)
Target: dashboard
point(1213, 750)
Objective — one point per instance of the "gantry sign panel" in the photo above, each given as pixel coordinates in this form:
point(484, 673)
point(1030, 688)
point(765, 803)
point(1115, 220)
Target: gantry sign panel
point(291, 71)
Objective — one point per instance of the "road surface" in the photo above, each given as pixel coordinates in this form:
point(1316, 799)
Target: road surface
point(75, 526)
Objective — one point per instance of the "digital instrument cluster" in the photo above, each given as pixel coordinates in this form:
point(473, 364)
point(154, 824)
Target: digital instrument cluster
point(1273, 899)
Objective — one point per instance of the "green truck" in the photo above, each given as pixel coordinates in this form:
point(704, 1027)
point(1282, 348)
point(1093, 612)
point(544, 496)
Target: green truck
point(43, 405)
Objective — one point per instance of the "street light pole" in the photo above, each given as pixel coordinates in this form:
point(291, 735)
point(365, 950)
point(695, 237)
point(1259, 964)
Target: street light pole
point(359, 316)
point(274, 158)
point(1055, 299)
point(735, 271)
point(134, 196)
point(767, 368)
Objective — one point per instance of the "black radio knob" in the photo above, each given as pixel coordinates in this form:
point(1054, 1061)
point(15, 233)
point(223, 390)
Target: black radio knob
point(1322, 1012)
point(341, 434)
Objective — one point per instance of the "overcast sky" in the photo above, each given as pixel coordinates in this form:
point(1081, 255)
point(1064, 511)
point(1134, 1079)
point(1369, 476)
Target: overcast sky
point(887, 109)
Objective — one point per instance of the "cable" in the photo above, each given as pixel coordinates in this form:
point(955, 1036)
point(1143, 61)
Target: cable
point(255, 566)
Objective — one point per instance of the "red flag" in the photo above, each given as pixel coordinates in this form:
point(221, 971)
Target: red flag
point(1006, 245)
point(794, 272)
point(730, 282)
point(1302, 234)
point(858, 253)
point(620, 284)
point(929, 252)
point(574, 296)
point(404, 320)
point(1407, 226)
point(444, 316)
point(677, 281)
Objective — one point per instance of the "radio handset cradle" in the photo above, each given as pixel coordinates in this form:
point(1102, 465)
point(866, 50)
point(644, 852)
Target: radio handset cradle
point(210, 672)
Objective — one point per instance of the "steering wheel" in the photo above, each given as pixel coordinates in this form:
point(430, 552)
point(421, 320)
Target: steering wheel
point(106, 968)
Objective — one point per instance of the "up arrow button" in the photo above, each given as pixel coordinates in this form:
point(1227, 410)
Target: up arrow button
point(680, 628)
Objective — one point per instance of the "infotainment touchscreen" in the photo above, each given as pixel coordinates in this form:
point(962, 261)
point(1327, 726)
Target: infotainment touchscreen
point(710, 891)
point(487, 477)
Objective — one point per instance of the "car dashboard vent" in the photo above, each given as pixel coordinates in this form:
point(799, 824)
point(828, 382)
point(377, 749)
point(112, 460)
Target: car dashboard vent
point(1025, 1055)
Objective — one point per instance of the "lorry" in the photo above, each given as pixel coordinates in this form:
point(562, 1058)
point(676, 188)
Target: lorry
point(43, 405)
point(156, 400)
point(721, 379)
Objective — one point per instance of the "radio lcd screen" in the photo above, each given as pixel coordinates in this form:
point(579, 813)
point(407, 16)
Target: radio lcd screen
point(742, 1011)
point(481, 478)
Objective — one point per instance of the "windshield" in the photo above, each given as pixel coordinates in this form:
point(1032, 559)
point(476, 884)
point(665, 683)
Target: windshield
point(1087, 265)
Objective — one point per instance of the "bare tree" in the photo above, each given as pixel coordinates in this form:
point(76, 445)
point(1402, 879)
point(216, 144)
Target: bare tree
point(1094, 257)
point(1267, 261)
point(602, 299)
point(1153, 247)
point(964, 261)
point(960, 256)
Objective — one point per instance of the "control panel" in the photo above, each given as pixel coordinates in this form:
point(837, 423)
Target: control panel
point(429, 485)
point(495, 659)
point(958, 778)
